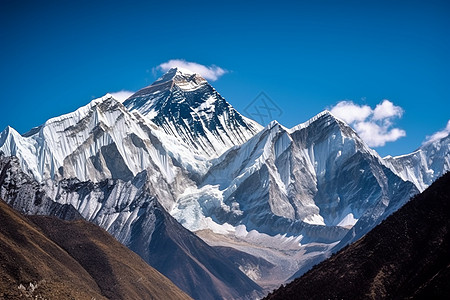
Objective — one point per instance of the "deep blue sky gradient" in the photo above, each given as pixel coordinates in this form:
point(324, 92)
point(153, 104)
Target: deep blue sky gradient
point(307, 56)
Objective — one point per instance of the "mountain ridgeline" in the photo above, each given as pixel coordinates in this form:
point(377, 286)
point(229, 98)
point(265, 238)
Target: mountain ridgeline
point(223, 207)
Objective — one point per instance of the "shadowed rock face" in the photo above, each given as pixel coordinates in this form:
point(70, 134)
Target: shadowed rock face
point(26, 195)
point(47, 258)
point(406, 256)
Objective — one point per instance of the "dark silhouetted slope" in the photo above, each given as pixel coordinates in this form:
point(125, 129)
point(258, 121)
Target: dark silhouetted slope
point(28, 256)
point(119, 272)
point(72, 260)
point(406, 256)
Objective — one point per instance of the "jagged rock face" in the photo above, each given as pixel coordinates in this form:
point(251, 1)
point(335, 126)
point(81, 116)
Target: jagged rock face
point(314, 180)
point(26, 195)
point(425, 165)
point(187, 107)
point(114, 205)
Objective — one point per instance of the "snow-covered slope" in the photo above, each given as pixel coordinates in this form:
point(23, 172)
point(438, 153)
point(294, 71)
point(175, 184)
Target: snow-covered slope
point(318, 173)
point(188, 108)
point(425, 165)
point(101, 140)
point(314, 183)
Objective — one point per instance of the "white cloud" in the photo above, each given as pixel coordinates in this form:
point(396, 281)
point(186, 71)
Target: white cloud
point(121, 95)
point(376, 135)
point(438, 135)
point(351, 112)
point(374, 126)
point(208, 72)
point(387, 109)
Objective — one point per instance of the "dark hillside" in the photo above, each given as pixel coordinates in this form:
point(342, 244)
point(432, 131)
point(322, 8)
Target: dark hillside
point(47, 258)
point(406, 256)
point(119, 272)
point(33, 265)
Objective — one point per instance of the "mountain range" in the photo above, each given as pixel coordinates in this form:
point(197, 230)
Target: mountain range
point(176, 174)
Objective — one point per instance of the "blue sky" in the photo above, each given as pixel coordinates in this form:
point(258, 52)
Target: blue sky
point(58, 55)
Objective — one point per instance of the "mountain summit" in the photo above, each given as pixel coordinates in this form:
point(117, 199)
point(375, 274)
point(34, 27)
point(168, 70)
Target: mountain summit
point(186, 106)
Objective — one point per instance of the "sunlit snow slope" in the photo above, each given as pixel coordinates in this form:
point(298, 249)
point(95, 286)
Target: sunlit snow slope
point(98, 141)
point(425, 165)
point(315, 180)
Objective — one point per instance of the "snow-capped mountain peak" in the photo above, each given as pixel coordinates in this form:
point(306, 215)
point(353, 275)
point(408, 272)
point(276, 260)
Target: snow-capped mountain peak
point(183, 78)
point(325, 115)
point(187, 107)
point(181, 142)
point(423, 166)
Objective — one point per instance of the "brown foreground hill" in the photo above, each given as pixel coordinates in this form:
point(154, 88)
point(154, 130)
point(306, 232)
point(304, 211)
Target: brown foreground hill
point(406, 257)
point(47, 258)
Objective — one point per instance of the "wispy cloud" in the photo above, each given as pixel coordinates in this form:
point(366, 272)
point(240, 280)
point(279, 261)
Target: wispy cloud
point(374, 126)
point(122, 95)
point(438, 135)
point(208, 72)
